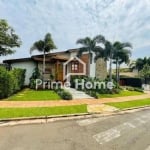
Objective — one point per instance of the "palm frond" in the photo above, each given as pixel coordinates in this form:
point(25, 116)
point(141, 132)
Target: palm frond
point(127, 44)
point(85, 42)
point(49, 43)
point(81, 51)
point(99, 39)
point(39, 46)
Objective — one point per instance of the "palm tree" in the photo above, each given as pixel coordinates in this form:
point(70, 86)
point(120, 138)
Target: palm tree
point(44, 46)
point(141, 62)
point(117, 51)
point(91, 46)
point(121, 55)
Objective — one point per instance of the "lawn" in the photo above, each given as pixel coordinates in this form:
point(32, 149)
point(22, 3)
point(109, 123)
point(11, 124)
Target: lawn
point(130, 104)
point(41, 111)
point(33, 95)
point(121, 94)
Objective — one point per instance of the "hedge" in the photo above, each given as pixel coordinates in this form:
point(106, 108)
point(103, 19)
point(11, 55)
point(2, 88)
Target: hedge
point(11, 81)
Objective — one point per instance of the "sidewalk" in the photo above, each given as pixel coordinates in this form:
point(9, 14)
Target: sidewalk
point(21, 104)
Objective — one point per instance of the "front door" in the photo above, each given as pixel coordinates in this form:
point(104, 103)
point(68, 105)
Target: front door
point(59, 71)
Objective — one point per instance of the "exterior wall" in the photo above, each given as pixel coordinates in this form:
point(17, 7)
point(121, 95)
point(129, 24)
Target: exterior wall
point(28, 65)
point(49, 69)
point(85, 58)
point(73, 54)
point(101, 69)
point(93, 67)
point(98, 69)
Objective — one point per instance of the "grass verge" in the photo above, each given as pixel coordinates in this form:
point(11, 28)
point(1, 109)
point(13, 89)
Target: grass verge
point(131, 104)
point(33, 95)
point(6, 113)
point(121, 94)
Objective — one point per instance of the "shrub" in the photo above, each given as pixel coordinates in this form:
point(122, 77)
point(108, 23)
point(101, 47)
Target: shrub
point(5, 83)
point(11, 81)
point(129, 88)
point(35, 75)
point(63, 94)
point(66, 95)
point(138, 90)
point(93, 94)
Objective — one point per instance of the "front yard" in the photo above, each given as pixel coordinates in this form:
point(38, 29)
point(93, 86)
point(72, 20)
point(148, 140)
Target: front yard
point(47, 95)
point(6, 113)
point(32, 95)
point(131, 104)
point(121, 94)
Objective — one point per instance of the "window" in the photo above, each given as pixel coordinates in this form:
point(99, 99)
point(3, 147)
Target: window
point(75, 66)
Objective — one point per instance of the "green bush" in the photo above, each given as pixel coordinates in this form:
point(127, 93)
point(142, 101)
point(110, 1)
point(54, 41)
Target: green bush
point(63, 94)
point(11, 81)
point(93, 94)
point(95, 91)
point(138, 90)
point(66, 95)
point(5, 83)
point(35, 75)
point(129, 88)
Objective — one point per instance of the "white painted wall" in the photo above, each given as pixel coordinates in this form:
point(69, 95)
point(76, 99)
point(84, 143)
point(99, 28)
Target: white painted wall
point(28, 65)
point(73, 54)
point(93, 67)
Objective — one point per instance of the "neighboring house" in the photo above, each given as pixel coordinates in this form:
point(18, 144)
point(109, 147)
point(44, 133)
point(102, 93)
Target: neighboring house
point(54, 65)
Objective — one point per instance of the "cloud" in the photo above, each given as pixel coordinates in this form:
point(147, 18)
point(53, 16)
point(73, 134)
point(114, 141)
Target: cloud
point(69, 20)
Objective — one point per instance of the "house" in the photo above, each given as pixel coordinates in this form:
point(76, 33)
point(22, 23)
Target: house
point(54, 65)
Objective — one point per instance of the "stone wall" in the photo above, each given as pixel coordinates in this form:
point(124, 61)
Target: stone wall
point(101, 69)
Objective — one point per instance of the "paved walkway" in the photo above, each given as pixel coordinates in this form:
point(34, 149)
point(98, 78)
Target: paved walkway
point(78, 94)
point(4, 104)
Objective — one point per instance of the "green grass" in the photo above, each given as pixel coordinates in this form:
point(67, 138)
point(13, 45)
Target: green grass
point(130, 104)
point(41, 111)
point(33, 95)
point(121, 94)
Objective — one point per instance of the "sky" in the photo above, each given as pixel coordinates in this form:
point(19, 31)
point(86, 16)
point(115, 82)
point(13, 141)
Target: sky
point(69, 20)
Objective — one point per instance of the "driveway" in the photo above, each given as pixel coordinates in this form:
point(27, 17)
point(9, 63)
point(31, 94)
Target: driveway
point(120, 132)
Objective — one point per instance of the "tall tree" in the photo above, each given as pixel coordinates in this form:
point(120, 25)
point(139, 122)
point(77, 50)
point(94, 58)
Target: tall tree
point(121, 54)
point(90, 46)
point(145, 72)
point(44, 46)
point(117, 51)
point(141, 62)
point(8, 39)
point(107, 53)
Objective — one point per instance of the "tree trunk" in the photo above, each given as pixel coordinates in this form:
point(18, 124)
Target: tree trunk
point(43, 66)
point(110, 68)
point(117, 72)
point(89, 63)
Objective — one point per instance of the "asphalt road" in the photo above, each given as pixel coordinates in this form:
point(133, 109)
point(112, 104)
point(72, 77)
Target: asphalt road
point(120, 132)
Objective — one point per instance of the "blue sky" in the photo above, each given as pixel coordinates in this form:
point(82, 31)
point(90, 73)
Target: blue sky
point(68, 20)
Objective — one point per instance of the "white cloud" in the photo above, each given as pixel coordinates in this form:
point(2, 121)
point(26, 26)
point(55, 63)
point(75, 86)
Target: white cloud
point(123, 20)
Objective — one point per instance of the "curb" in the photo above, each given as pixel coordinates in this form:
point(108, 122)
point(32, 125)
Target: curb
point(48, 119)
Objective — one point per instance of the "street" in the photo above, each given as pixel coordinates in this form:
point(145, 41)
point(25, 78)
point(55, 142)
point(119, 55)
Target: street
point(120, 132)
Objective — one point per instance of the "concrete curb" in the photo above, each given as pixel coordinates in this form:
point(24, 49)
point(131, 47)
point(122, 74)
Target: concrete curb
point(47, 119)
